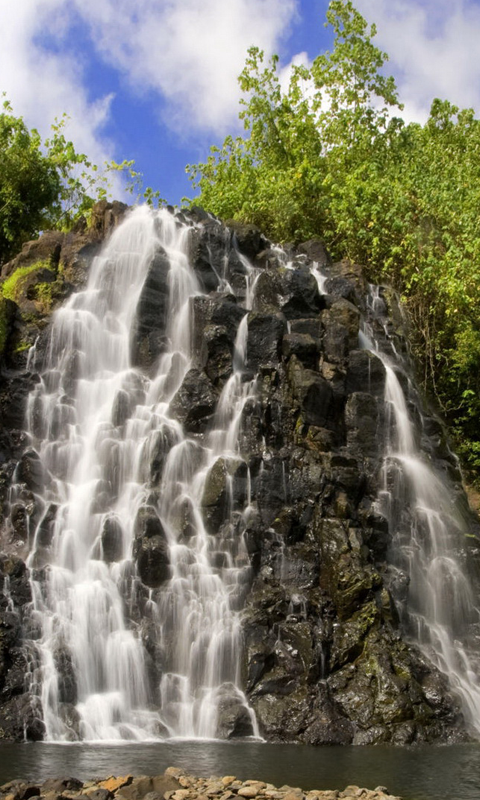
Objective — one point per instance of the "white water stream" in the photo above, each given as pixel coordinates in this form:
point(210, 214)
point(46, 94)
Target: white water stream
point(97, 466)
point(97, 424)
point(438, 603)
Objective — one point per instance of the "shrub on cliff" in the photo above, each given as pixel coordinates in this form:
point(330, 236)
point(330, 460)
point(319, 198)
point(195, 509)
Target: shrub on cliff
point(44, 184)
point(29, 183)
point(328, 157)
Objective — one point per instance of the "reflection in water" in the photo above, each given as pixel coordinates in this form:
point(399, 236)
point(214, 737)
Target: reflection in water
point(416, 773)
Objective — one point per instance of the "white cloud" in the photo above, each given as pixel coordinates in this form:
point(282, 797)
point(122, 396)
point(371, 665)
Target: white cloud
point(190, 52)
point(42, 84)
point(285, 73)
point(187, 54)
point(433, 49)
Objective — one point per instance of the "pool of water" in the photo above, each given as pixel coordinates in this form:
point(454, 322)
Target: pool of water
point(416, 773)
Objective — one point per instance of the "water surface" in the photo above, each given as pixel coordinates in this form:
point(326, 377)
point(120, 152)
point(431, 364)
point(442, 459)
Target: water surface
point(416, 773)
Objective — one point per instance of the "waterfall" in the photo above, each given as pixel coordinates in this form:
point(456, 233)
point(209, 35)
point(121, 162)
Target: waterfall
point(434, 586)
point(183, 492)
point(117, 659)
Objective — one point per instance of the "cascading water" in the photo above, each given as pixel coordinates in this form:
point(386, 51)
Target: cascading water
point(435, 582)
point(143, 428)
point(98, 424)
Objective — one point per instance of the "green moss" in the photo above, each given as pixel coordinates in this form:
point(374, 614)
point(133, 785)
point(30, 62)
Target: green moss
point(12, 287)
point(22, 347)
point(45, 293)
point(3, 325)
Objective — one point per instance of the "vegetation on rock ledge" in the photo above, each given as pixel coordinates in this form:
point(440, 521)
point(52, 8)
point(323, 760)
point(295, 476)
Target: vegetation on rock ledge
point(48, 184)
point(330, 158)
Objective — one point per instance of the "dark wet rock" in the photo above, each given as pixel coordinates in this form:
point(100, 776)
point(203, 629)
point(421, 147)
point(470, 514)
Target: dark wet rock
point(197, 214)
point(226, 313)
point(67, 683)
point(112, 539)
point(13, 568)
point(312, 392)
point(234, 719)
point(346, 280)
point(20, 719)
point(195, 402)
point(341, 324)
point(301, 297)
point(316, 251)
point(248, 238)
point(157, 451)
point(361, 420)
point(365, 373)
point(30, 471)
point(328, 725)
point(265, 334)
point(150, 548)
point(270, 488)
point(303, 346)
point(122, 408)
point(268, 292)
point(153, 561)
point(293, 292)
point(208, 251)
point(149, 338)
point(309, 326)
point(19, 518)
point(267, 260)
point(219, 355)
point(148, 524)
point(225, 491)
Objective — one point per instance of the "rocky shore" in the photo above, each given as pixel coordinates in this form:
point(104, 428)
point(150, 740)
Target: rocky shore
point(175, 784)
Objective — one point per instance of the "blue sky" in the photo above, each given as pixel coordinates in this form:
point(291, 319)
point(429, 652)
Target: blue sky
point(155, 80)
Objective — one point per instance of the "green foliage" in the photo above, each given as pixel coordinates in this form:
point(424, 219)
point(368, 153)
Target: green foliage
point(328, 158)
point(3, 325)
point(49, 184)
point(46, 294)
point(29, 183)
point(12, 288)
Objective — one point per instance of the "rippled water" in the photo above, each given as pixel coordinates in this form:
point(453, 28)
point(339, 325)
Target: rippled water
point(415, 773)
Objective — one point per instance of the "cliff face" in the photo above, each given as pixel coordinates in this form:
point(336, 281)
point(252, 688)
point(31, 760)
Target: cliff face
point(37, 282)
point(325, 660)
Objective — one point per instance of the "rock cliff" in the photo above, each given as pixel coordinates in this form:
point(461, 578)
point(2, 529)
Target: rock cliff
point(325, 659)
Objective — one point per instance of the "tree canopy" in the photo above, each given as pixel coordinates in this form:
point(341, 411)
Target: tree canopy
point(330, 157)
point(44, 184)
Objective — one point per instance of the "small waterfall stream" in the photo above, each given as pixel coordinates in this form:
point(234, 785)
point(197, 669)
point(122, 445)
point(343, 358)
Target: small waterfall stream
point(97, 424)
point(435, 585)
point(138, 581)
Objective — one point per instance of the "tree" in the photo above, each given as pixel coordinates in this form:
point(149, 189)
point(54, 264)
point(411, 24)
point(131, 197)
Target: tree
point(29, 183)
point(329, 158)
point(280, 176)
point(45, 184)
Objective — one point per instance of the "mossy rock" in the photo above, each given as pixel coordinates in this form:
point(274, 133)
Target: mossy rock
point(7, 313)
point(17, 285)
point(349, 636)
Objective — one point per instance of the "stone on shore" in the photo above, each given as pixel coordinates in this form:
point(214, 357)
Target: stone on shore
point(176, 784)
